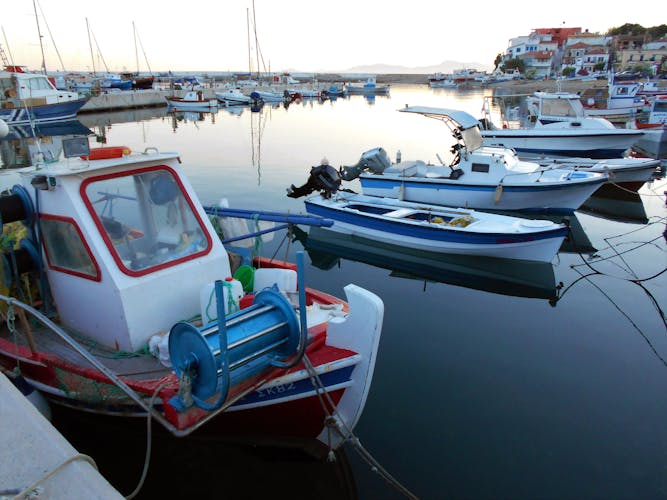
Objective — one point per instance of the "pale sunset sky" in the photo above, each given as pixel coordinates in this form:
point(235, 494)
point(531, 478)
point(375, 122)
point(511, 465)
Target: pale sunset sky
point(297, 35)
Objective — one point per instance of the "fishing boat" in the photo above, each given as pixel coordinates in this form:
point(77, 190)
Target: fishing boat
point(32, 98)
point(618, 102)
point(192, 100)
point(436, 228)
point(134, 307)
point(479, 177)
point(556, 125)
point(654, 139)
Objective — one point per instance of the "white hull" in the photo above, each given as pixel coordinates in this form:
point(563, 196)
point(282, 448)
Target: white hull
point(193, 105)
point(539, 196)
point(601, 143)
point(483, 234)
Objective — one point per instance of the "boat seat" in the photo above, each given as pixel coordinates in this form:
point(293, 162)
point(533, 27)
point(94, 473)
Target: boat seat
point(408, 168)
point(400, 212)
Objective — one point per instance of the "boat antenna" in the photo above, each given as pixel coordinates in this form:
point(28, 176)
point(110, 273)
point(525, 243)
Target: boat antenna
point(62, 66)
point(39, 33)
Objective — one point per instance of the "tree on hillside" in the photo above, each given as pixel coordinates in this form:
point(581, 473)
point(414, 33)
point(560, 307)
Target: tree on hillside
point(497, 61)
point(515, 63)
point(653, 33)
point(627, 29)
point(657, 32)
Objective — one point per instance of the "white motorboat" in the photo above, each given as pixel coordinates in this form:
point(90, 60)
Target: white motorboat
point(557, 125)
point(233, 97)
point(480, 177)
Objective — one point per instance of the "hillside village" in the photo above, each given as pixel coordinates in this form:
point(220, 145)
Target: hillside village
point(554, 52)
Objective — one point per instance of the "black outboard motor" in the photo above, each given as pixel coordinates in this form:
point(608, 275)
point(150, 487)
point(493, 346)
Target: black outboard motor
point(323, 178)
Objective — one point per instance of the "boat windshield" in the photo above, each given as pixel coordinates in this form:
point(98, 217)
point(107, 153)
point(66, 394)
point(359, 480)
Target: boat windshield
point(472, 138)
point(561, 107)
point(146, 219)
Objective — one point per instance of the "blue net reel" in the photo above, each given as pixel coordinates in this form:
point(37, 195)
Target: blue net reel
point(243, 344)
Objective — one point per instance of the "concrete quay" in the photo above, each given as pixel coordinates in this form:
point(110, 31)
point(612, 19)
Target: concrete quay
point(36, 461)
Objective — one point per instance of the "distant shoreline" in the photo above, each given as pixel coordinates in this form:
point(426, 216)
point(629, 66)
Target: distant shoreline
point(521, 86)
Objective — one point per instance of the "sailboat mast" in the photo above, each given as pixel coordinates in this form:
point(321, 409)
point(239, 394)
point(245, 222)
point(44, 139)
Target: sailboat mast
point(254, 25)
point(90, 43)
point(39, 33)
point(247, 16)
point(136, 52)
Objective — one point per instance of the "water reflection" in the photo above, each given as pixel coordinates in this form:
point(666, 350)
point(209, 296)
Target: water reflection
point(204, 467)
point(617, 204)
point(327, 249)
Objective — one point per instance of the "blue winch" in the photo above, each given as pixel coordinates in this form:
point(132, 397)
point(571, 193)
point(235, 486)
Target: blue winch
point(226, 352)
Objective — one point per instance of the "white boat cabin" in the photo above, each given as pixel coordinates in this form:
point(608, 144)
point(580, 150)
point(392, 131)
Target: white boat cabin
point(127, 245)
point(32, 86)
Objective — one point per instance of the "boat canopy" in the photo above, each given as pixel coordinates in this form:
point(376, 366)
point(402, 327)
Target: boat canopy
point(463, 119)
point(464, 127)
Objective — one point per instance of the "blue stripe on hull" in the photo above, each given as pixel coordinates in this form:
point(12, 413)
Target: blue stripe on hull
point(430, 184)
point(290, 390)
point(430, 233)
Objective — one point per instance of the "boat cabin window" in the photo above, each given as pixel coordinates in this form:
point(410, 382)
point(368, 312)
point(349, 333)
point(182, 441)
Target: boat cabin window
point(146, 219)
point(558, 107)
point(480, 167)
point(65, 248)
point(660, 106)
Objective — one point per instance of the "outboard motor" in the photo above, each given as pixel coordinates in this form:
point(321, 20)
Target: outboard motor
point(323, 178)
point(375, 160)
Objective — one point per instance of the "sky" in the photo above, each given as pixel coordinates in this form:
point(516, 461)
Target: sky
point(295, 35)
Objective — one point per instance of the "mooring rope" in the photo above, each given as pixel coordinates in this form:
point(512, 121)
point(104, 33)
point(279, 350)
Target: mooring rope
point(336, 422)
point(27, 492)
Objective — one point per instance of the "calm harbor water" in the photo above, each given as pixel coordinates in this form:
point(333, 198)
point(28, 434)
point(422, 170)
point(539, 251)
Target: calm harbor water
point(492, 380)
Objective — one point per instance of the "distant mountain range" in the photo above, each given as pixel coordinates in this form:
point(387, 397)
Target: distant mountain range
point(443, 67)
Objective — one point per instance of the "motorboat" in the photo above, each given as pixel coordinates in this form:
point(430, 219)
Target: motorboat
point(370, 87)
point(128, 304)
point(478, 177)
point(233, 97)
point(436, 228)
point(29, 98)
point(557, 125)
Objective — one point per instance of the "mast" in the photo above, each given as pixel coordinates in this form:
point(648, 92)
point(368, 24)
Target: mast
point(254, 25)
point(39, 33)
point(247, 16)
point(92, 56)
point(136, 52)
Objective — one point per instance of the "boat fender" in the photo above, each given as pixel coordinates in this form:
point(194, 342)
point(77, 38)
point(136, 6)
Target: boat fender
point(498, 194)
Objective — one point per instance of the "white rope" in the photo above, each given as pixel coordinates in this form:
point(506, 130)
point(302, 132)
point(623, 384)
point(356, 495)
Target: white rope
point(27, 492)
